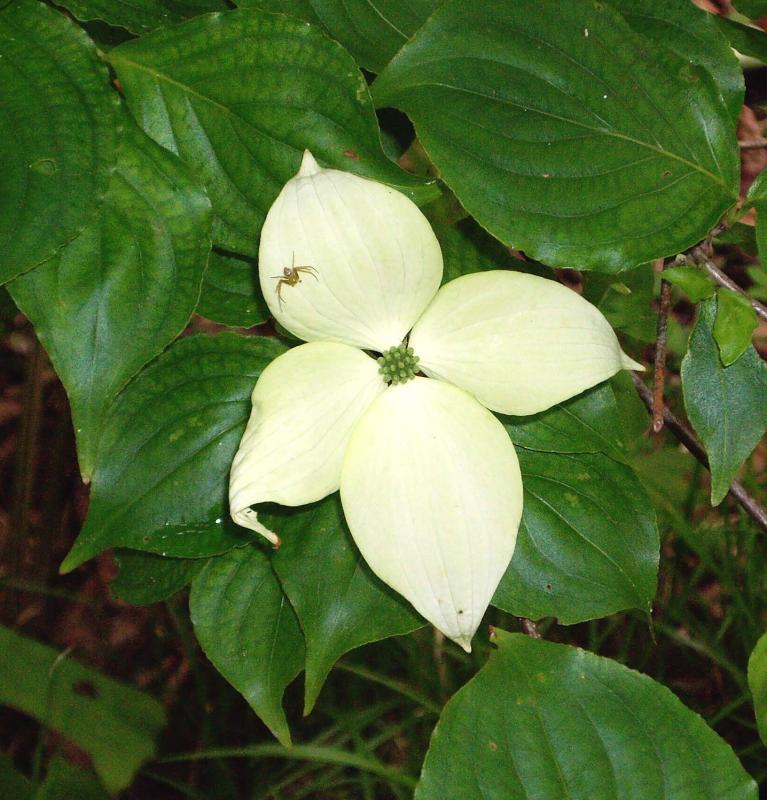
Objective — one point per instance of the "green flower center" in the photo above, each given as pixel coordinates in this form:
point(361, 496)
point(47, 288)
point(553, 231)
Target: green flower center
point(398, 364)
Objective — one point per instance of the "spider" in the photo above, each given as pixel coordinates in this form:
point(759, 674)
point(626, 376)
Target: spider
point(291, 276)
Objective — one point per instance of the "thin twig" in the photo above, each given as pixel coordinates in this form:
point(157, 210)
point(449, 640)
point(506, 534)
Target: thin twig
point(753, 144)
point(659, 369)
point(530, 628)
point(26, 456)
point(754, 510)
point(724, 280)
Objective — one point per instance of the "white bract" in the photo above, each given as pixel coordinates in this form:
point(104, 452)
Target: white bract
point(429, 479)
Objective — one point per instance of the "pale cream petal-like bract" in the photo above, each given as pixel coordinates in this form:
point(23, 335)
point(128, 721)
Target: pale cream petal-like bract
point(432, 494)
point(519, 343)
point(367, 259)
point(305, 405)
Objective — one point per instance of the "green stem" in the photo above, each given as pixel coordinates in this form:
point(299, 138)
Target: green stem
point(394, 685)
point(321, 755)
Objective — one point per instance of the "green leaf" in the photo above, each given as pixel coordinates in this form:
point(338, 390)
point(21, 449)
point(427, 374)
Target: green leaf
point(116, 724)
point(631, 410)
point(339, 602)
point(245, 137)
point(549, 144)
point(757, 197)
point(757, 683)
point(693, 35)
point(58, 133)
point(467, 248)
point(625, 300)
point(740, 235)
point(734, 325)
point(162, 479)
point(13, 784)
point(744, 38)
point(140, 16)
point(548, 721)
point(112, 299)
point(758, 277)
point(588, 543)
point(64, 781)
point(727, 406)
point(693, 281)
point(588, 423)
point(371, 30)
point(145, 578)
point(248, 629)
point(752, 8)
point(230, 293)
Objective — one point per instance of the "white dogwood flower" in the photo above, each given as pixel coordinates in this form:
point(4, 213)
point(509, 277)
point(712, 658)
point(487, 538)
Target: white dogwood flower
point(429, 479)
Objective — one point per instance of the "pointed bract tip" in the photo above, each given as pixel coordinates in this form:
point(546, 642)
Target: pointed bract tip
point(248, 518)
point(629, 363)
point(464, 642)
point(309, 166)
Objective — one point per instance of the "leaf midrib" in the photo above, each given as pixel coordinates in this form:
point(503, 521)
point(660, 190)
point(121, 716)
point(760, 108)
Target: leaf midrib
point(185, 88)
point(598, 131)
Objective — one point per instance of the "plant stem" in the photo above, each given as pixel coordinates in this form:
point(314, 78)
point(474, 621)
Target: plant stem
point(26, 456)
point(391, 683)
point(306, 752)
point(754, 510)
point(752, 144)
point(659, 368)
point(530, 628)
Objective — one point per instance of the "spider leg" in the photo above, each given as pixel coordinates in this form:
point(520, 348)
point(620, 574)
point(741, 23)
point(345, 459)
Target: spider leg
point(311, 270)
point(279, 291)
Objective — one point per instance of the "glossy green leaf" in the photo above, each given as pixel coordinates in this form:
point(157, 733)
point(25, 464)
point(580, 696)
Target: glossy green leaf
point(548, 721)
point(248, 629)
point(114, 723)
point(58, 133)
point(551, 147)
point(339, 602)
point(371, 30)
point(588, 543)
point(112, 299)
point(140, 16)
point(727, 406)
point(12, 783)
point(744, 38)
point(693, 35)
point(64, 781)
point(693, 281)
point(588, 423)
point(146, 578)
point(757, 192)
point(245, 136)
point(230, 293)
point(757, 683)
point(162, 480)
point(734, 325)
